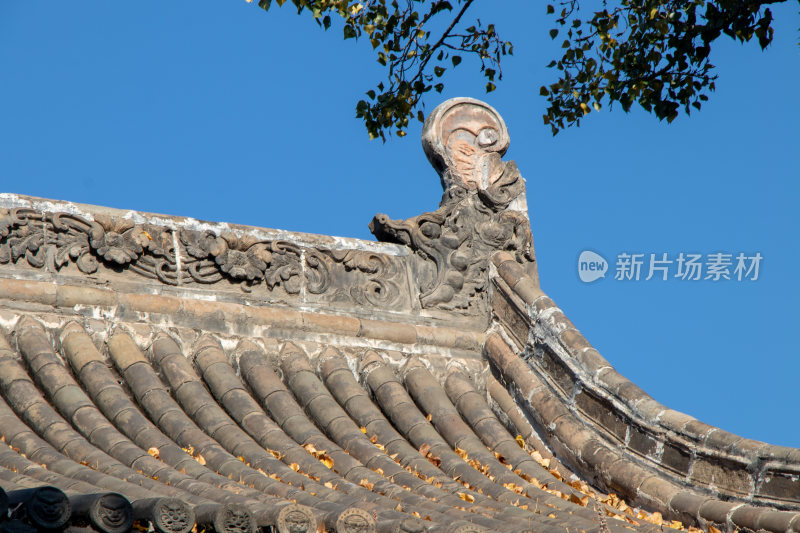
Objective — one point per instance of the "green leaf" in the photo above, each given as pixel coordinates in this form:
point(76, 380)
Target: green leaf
point(456, 60)
point(554, 33)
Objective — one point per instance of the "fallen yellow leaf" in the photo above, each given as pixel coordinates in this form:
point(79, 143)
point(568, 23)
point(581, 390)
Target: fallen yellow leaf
point(513, 487)
point(583, 501)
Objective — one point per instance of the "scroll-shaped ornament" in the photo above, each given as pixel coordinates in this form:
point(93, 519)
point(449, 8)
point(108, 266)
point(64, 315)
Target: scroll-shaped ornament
point(483, 209)
point(354, 276)
point(22, 235)
point(53, 240)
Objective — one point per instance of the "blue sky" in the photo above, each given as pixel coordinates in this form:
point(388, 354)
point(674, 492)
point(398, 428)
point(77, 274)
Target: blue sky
point(221, 112)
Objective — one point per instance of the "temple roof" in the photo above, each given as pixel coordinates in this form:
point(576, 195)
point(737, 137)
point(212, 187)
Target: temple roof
point(167, 373)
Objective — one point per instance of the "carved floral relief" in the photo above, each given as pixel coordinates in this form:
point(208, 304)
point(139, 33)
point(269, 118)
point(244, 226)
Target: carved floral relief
point(52, 241)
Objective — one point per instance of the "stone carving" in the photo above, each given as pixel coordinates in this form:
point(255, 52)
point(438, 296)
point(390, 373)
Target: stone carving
point(355, 520)
point(358, 276)
point(48, 508)
point(181, 256)
point(234, 519)
point(172, 516)
point(483, 208)
point(464, 140)
point(53, 240)
point(117, 240)
point(210, 258)
point(111, 513)
point(22, 236)
point(295, 519)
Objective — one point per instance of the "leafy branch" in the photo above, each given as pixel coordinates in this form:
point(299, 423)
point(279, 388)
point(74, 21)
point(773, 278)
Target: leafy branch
point(654, 52)
point(651, 52)
point(404, 37)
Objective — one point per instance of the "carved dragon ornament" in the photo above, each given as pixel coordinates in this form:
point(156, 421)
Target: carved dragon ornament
point(483, 209)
